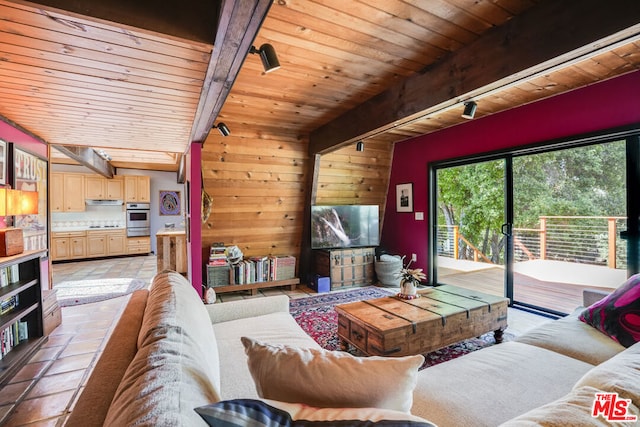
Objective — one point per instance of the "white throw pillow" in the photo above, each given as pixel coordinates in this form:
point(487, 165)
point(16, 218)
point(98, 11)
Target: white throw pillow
point(337, 379)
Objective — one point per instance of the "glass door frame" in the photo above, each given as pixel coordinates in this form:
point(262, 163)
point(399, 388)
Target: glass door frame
point(632, 138)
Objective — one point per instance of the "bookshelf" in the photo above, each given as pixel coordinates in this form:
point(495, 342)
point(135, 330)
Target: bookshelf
point(21, 298)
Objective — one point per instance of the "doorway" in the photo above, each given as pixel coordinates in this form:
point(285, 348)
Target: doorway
point(537, 226)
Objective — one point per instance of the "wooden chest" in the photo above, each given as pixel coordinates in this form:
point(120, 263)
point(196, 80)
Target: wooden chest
point(346, 267)
point(442, 316)
point(51, 313)
point(11, 241)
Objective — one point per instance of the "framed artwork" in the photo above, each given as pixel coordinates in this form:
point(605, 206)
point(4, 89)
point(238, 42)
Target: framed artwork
point(30, 174)
point(169, 202)
point(404, 197)
point(3, 162)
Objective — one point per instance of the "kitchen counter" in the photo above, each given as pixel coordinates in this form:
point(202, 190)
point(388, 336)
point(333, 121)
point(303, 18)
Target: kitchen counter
point(172, 249)
point(83, 228)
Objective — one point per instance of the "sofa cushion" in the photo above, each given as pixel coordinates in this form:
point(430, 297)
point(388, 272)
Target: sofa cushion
point(492, 385)
point(573, 409)
point(618, 314)
point(173, 371)
point(270, 413)
point(573, 338)
point(173, 302)
point(325, 378)
point(620, 374)
point(277, 328)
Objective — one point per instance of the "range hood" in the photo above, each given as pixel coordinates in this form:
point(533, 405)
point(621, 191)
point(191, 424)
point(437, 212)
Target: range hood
point(101, 202)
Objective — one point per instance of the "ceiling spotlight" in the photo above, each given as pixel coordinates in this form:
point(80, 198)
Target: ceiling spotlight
point(360, 146)
point(222, 128)
point(268, 56)
point(469, 109)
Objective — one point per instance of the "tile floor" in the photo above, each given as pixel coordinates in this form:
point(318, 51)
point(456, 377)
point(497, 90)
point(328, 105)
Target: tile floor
point(43, 392)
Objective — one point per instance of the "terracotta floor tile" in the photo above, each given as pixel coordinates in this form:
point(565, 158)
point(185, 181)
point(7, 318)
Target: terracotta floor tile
point(81, 347)
point(52, 384)
point(4, 410)
point(71, 363)
point(47, 353)
point(11, 393)
point(30, 371)
point(56, 339)
point(39, 409)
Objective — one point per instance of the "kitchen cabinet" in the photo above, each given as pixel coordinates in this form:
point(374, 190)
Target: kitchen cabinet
point(137, 189)
point(22, 311)
point(97, 187)
point(68, 245)
point(105, 243)
point(67, 192)
point(138, 245)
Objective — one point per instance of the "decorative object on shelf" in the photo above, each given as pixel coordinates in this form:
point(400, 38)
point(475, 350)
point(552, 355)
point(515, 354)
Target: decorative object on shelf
point(15, 202)
point(169, 202)
point(209, 296)
point(404, 197)
point(409, 281)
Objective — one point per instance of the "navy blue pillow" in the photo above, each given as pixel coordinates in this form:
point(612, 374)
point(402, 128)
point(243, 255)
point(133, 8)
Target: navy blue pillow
point(243, 412)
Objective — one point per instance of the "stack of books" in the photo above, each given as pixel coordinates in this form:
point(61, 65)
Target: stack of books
point(218, 255)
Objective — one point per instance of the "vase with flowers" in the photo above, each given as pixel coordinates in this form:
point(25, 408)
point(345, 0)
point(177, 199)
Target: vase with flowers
point(410, 278)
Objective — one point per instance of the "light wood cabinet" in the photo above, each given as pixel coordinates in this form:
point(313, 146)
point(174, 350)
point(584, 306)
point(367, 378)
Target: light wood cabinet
point(68, 245)
point(137, 188)
point(87, 244)
point(67, 192)
point(97, 187)
point(138, 245)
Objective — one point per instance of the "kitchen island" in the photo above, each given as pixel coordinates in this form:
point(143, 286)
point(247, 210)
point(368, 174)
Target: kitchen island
point(171, 246)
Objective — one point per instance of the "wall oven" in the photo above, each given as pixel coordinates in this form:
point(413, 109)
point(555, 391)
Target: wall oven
point(138, 219)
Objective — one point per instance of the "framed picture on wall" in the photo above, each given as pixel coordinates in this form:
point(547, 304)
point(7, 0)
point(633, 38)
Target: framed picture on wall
point(169, 202)
point(404, 197)
point(3, 162)
point(30, 174)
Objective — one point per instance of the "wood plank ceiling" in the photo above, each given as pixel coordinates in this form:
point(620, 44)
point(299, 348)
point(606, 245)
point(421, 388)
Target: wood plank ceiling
point(77, 80)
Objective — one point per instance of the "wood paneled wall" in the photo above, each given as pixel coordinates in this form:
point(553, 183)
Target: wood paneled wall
point(258, 183)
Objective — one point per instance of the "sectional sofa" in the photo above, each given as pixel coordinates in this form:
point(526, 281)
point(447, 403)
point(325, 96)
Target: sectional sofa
point(170, 354)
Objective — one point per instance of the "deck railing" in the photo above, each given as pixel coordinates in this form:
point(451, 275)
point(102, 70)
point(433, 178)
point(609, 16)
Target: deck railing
point(580, 239)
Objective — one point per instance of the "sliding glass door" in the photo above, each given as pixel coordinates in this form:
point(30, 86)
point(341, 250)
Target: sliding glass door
point(538, 226)
point(569, 209)
point(470, 214)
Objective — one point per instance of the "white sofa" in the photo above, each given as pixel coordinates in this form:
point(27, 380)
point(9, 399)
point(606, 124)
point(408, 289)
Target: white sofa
point(150, 374)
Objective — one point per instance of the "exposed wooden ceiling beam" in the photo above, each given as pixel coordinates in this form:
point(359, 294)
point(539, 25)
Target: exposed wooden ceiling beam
point(549, 34)
point(88, 157)
point(240, 21)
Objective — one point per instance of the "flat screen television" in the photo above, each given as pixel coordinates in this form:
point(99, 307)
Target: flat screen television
point(344, 226)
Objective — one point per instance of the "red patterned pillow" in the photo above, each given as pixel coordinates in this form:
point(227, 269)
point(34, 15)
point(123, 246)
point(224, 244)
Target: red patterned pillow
point(618, 314)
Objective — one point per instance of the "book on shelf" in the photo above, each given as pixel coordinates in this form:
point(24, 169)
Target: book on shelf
point(9, 275)
point(259, 269)
point(12, 336)
point(8, 304)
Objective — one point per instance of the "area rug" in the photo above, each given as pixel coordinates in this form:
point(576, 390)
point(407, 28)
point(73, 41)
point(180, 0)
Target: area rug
point(316, 315)
point(87, 291)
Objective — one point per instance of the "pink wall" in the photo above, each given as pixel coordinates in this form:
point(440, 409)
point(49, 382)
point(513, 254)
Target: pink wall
point(194, 218)
point(610, 104)
point(23, 139)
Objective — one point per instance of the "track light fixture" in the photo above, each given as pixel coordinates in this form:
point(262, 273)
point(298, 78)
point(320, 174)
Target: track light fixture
point(360, 146)
point(268, 56)
point(222, 128)
point(469, 109)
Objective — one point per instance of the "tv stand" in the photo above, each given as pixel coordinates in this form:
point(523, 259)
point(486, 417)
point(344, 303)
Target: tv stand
point(346, 267)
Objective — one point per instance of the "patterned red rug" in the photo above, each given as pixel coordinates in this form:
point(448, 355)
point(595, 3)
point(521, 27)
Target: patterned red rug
point(317, 317)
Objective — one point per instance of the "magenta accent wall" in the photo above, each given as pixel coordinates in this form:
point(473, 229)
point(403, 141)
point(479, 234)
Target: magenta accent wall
point(22, 139)
point(610, 104)
point(194, 219)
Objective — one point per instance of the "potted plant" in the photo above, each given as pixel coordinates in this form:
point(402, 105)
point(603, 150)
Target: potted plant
point(410, 278)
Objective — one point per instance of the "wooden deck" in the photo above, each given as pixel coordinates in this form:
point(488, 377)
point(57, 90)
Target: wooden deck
point(555, 295)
